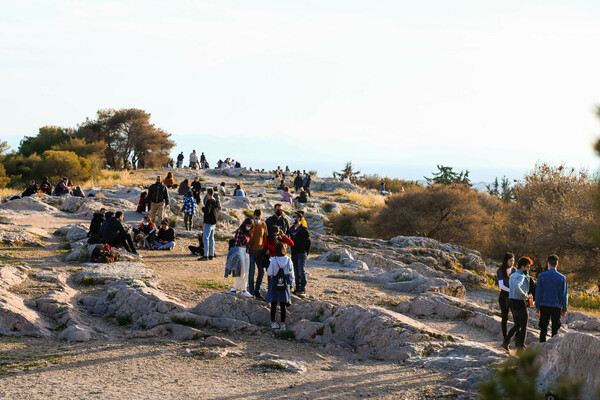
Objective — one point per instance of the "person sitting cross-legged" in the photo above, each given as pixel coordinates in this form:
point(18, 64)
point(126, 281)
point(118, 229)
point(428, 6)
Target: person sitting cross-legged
point(145, 233)
point(165, 240)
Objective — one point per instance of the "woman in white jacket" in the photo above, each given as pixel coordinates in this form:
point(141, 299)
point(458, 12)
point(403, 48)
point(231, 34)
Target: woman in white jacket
point(281, 278)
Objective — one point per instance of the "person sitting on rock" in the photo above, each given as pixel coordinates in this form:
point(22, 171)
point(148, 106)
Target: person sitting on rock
point(238, 164)
point(143, 206)
point(278, 219)
point(114, 234)
point(165, 239)
point(276, 236)
point(281, 278)
point(286, 196)
point(97, 220)
point(183, 187)
point(188, 210)
point(302, 196)
point(169, 181)
point(198, 250)
point(281, 185)
point(238, 191)
point(215, 197)
point(78, 192)
point(145, 233)
point(382, 190)
point(221, 190)
point(46, 187)
point(31, 189)
point(62, 188)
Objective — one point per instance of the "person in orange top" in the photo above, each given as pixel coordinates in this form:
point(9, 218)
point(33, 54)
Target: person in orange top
point(169, 181)
point(255, 245)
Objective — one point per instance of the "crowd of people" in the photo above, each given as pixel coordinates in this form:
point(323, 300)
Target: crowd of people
point(519, 291)
point(64, 187)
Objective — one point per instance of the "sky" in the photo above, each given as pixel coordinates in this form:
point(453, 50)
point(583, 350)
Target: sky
point(395, 87)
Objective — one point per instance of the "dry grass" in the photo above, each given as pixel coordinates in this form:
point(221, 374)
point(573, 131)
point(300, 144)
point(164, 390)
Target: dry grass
point(111, 178)
point(369, 199)
point(4, 192)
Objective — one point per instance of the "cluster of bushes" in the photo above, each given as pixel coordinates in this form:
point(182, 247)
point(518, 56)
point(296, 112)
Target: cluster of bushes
point(392, 185)
point(116, 139)
point(554, 210)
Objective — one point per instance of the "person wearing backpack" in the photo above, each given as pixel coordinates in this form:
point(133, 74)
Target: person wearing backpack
point(281, 278)
point(300, 249)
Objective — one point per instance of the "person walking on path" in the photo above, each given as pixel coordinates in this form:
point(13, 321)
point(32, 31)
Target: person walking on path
point(240, 243)
point(211, 213)
point(157, 195)
point(301, 238)
point(281, 278)
point(503, 274)
point(519, 298)
point(255, 245)
point(551, 297)
point(279, 220)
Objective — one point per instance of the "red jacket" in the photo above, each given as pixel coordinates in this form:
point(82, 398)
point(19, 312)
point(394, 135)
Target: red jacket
point(267, 244)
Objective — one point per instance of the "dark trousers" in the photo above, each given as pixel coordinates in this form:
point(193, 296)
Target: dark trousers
point(520, 318)
point(274, 311)
point(260, 273)
point(547, 313)
point(504, 309)
point(125, 241)
point(299, 261)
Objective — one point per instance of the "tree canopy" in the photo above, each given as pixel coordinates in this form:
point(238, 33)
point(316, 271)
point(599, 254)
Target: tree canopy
point(128, 136)
point(446, 176)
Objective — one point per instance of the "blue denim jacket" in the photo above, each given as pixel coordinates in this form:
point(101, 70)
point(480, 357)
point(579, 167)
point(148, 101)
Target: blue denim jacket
point(519, 286)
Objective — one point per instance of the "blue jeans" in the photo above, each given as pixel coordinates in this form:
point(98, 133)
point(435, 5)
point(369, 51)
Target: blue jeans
point(259, 278)
point(165, 246)
point(299, 261)
point(208, 238)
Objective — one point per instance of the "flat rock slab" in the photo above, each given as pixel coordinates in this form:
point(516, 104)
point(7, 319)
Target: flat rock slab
point(276, 362)
point(101, 273)
point(216, 341)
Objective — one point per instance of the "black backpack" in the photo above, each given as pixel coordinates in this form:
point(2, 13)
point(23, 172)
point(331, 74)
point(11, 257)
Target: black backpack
point(280, 281)
point(263, 258)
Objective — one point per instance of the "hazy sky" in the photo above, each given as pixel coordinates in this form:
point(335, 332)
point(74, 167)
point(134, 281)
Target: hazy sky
point(474, 84)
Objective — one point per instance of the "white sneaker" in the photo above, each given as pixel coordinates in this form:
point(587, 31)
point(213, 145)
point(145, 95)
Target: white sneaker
point(233, 290)
point(246, 294)
point(274, 325)
point(283, 328)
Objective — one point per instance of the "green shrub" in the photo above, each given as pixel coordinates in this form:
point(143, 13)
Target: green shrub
point(125, 318)
point(333, 257)
point(173, 222)
point(392, 185)
point(328, 207)
point(88, 280)
point(351, 223)
point(248, 213)
point(84, 255)
point(285, 334)
point(584, 301)
point(516, 380)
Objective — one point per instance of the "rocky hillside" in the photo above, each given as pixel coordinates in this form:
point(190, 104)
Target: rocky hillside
point(404, 318)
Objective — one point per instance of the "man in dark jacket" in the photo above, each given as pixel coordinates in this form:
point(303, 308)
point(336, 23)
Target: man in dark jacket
point(298, 182)
point(157, 195)
point(96, 223)
point(114, 234)
point(180, 158)
point(196, 189)
point(551, 297)
point(301, 238)
point(62, 187)
point(211, 213)
point(31, 189)
point(279, 219)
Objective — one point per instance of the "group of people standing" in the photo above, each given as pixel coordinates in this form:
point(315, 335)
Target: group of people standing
point(518, 292)
point(195, 161)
